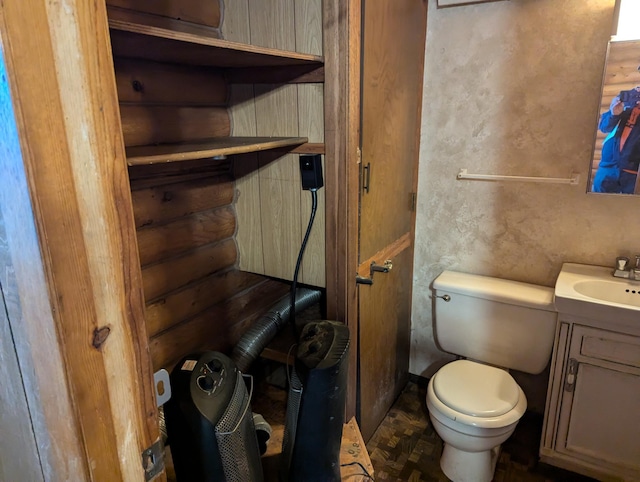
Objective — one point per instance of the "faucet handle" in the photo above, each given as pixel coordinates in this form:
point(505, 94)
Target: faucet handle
point(637, 261)
point(623, 261)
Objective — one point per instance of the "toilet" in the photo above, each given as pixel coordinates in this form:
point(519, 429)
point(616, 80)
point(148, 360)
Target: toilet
point(474, 404)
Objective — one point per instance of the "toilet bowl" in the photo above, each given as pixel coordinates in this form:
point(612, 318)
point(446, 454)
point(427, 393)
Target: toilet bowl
point(474, 408)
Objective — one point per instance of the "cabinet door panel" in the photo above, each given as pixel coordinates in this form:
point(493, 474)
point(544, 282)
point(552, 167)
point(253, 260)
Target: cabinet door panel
point(605, 421)
point(617, 349)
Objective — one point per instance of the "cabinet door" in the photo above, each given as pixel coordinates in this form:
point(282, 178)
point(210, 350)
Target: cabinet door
point(599, 418)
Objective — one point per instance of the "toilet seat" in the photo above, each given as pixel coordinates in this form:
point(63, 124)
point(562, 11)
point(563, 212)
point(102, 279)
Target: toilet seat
point(464, 393)
point(475, 389)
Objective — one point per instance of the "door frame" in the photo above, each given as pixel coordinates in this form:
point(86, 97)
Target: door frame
point(342, 37)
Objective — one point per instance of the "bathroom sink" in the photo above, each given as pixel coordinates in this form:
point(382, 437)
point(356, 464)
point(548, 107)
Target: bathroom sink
point(592, 291)
point(610, 291)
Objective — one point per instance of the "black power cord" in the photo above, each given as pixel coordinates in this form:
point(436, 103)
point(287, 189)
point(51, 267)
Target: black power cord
point(365, 474)
point(314, 208)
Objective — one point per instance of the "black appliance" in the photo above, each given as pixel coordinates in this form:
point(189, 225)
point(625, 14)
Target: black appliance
point(315, 407)
point(209, 422)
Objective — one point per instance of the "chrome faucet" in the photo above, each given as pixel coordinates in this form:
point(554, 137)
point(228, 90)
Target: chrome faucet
point(623, 271)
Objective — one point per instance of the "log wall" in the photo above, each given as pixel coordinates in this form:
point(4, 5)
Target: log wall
point(196, 298)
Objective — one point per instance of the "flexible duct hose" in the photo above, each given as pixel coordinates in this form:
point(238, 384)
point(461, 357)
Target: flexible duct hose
point(265, 329)
point(260, 334)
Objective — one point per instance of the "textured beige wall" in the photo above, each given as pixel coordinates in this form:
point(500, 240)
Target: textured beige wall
point(511, 88)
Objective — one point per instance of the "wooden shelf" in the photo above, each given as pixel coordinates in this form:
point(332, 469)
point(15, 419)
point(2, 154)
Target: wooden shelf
point(134, 40)
point(202, 149)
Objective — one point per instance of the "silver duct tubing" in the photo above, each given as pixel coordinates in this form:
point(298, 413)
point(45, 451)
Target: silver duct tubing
point(265, 329)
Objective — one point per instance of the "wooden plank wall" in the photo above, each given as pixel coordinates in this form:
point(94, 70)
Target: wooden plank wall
point(621, 73)
point(196, 298)
point(272, 210)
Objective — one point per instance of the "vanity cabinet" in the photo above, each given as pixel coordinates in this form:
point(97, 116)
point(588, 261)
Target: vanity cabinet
point(592, 421)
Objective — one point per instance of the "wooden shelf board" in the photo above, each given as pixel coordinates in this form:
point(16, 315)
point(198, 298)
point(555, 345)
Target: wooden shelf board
point(202, 149)
point(309, 148)
point(154, 43)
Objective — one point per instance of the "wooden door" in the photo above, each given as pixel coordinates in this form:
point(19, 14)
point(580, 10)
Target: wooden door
point(391, 97)
point(70, 269)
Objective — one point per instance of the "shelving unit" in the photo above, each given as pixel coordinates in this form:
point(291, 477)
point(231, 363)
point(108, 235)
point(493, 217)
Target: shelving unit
point(240, 62)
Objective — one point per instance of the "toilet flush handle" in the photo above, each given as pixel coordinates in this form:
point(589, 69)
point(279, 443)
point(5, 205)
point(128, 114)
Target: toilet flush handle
point(445, 297)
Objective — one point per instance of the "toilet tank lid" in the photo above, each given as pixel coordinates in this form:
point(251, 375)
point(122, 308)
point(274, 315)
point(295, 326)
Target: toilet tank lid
point(496, 289)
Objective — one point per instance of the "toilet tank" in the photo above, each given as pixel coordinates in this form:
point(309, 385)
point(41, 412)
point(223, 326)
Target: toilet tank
point(504, 323)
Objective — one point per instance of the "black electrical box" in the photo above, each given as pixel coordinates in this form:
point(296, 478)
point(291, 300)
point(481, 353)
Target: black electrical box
point(311, 172)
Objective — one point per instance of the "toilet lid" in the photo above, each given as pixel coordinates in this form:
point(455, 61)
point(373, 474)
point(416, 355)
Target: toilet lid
point(475, 389)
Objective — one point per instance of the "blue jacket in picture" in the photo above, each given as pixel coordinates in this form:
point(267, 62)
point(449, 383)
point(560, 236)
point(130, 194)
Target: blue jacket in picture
point(628, 158)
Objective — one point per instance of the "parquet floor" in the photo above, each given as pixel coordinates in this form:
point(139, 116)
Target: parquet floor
point(405, 448)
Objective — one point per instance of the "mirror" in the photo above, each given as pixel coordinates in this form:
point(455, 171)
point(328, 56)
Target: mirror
point(616, 154)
